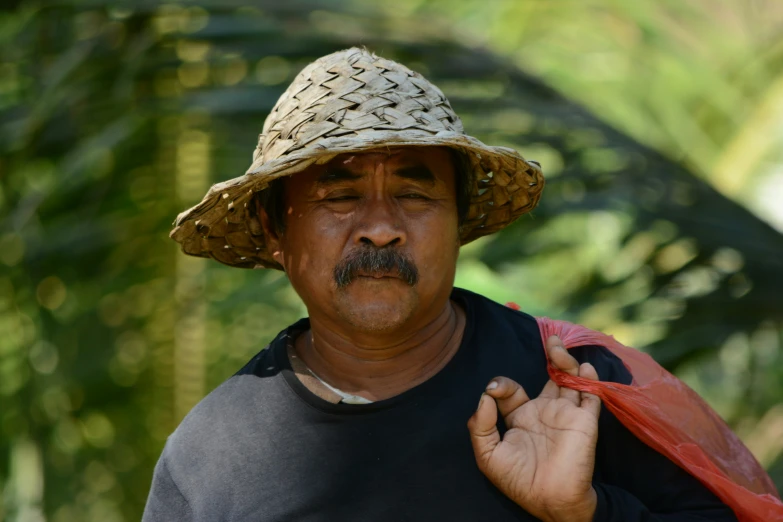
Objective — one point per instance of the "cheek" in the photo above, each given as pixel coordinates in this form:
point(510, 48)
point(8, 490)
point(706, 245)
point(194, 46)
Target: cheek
point(313, 244)
point(435, 242)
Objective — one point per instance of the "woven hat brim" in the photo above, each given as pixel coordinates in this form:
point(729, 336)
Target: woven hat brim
point(225, 224)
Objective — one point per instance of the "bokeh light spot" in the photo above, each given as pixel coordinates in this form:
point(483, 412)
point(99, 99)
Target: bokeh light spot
point(98, 430)
point(44, 357)
point(193, 74)
point(192, 50)
point(272, 70)
point(51, 292)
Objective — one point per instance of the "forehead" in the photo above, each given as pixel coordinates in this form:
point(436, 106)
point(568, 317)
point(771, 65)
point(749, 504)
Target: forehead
point(438, 161)
point(437, 156)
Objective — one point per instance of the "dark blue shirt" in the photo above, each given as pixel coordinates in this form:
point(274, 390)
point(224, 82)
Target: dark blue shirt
point(262, 447)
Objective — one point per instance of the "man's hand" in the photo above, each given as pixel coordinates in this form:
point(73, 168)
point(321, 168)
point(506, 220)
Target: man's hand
point(545, 461)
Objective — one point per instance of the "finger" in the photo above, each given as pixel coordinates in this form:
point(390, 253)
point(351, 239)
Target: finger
point(564, 361)
point(551, 390)
point(587, 371)
point(560, 356)
point(589, 401)
point(509, 394)
point(484, 435)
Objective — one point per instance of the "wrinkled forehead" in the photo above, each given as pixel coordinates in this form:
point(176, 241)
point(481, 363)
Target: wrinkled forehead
point(439, 162)
point(393, 155)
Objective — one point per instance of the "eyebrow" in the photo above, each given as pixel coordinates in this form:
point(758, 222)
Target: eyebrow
point(336, 175)
point(416, 173)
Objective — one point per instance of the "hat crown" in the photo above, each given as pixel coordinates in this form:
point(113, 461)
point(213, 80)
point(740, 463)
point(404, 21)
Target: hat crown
point(353, 93)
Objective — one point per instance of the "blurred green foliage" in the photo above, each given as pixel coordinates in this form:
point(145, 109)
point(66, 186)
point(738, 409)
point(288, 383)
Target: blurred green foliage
point(658, 125)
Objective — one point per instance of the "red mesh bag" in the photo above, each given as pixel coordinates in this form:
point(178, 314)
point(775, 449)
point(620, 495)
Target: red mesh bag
point(668, 416)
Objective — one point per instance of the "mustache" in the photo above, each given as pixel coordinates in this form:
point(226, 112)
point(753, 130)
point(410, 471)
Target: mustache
point(377, 261)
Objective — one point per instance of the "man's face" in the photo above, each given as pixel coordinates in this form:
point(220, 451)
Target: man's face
point(372, 238)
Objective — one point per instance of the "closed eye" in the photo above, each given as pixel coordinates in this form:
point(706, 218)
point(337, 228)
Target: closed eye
point(413, 196)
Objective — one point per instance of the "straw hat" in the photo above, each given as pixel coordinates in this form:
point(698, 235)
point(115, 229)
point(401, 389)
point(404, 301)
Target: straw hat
point(353, 101)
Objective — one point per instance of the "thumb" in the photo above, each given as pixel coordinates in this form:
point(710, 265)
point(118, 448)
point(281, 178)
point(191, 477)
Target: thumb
point(484, 435)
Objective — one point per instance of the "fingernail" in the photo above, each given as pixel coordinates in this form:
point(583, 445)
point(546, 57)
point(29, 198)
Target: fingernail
point(492, 385)
point(480, 400)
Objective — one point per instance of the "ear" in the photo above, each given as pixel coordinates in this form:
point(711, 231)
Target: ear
point(273, 240)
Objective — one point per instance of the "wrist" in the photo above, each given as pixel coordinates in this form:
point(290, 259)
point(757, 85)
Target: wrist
point(584, 512)
point(592, 505)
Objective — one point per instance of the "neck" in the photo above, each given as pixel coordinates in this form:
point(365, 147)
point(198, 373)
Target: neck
point(379, 367)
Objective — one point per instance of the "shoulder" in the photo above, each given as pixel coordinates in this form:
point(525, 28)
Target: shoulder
point(233, 430)
point(225, 421)
point(609, 367)
point(491, 316)
point(266, 362)
point(488, 314)
point(228, 404)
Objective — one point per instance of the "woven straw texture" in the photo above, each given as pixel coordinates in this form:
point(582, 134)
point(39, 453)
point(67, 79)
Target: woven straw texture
point(353, 101)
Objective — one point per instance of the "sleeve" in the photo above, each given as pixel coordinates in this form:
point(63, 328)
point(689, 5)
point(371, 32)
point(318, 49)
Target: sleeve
point(165, 501)
point(633, 482)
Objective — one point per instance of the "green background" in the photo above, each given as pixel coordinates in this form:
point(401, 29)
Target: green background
point(658, 123)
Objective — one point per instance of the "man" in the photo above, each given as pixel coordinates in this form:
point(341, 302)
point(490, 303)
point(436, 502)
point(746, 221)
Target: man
point(363, 187)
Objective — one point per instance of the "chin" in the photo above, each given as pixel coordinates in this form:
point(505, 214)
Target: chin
point(377, 307)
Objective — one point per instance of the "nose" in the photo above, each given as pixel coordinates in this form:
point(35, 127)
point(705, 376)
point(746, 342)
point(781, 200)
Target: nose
point(380, 225)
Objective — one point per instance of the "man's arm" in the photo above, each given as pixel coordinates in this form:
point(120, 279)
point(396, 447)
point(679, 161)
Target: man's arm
point(633, 482)
point(165, 502)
